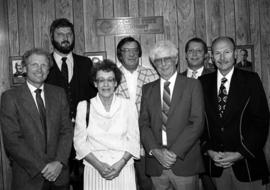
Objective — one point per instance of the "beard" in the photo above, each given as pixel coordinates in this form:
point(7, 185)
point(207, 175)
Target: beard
point(64, 47)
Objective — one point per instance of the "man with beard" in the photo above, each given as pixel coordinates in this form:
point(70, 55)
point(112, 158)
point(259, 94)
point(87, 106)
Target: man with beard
point(71, 72)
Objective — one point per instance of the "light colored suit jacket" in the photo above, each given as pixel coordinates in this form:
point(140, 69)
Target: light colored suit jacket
point(145, 75)
point(24, 137)
point(184, 125)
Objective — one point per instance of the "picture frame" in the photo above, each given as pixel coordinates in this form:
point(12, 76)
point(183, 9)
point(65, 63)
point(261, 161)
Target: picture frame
point(96, 57)
point(245, 57)
point(247, 64)
point(17, 71)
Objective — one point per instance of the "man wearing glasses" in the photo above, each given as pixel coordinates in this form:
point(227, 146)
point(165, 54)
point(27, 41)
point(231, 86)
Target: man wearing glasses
point(171, 121)
point(134, 77)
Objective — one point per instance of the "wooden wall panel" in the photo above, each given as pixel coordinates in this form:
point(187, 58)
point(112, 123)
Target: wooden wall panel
point(63, 9)
point(13, 28)
point(109, 40)
point(255, 33)
point(43, 15)
point(146, 8)
point(186, 27)
point(25, 21)
point(200, 21)
point(5, 171)
point(92, 10)
point(242, 22)
point(215, 22)
point(78, 21)
point(229, 18)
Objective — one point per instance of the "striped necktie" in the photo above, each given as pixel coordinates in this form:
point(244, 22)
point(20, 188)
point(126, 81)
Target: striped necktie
point(194, 74)
point(166, 105)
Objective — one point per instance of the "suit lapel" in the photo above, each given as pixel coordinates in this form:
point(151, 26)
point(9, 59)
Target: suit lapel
point(49, 99)
point(30, 106)
point(140, 83)
point(234, 97)
point(177, 94)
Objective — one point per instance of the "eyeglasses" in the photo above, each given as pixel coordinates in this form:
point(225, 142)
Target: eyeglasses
point(165, 60)
point(195, 51)
point(102, 81)
point(130, 50)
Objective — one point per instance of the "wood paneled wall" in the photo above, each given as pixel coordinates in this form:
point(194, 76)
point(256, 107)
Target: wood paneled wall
point(247, 21)
point(25, 24)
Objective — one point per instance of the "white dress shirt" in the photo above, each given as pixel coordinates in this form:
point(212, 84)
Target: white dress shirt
point(32, 90)
point(131, 78)
point(198, 73)
point(227, 83)
point(69, 61)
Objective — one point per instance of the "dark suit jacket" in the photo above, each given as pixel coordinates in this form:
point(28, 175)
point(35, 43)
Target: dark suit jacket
point(24, 137)
point(80, 87)
point(244, 126)
point(184, 125)
point(205, 71)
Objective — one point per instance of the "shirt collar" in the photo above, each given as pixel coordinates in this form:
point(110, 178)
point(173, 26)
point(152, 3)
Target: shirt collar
point(228, 76)
point(199, 71)
point(58, 58)
point(33, 88)
point(171, 80)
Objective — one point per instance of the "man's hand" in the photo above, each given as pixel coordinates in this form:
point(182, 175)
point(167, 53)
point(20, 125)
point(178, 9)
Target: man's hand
point(224, 159)
point(229, 158)
point(165, 157)
point(52, 170)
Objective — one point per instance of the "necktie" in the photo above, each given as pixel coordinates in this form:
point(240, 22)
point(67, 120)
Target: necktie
point(194, 74)
point(64, 69)
point(42, 113)
point(166, 105)
point(222, 97)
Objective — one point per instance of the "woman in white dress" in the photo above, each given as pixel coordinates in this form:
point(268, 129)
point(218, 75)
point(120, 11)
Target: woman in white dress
point(110, 142)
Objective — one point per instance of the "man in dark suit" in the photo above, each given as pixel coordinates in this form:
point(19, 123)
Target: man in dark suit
point(71, 72)
point(171, 121)
point(244, 62)
point(196, 54)
point(237, 121)
point(37, 130)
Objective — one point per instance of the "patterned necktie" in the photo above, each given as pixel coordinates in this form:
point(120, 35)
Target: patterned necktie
point(64, 69)
point(222, 97)
point(166, 104)
point(194, 74)
point(42, 113)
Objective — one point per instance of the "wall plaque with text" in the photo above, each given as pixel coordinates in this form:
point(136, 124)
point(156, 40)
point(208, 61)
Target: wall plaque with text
point(130, 25)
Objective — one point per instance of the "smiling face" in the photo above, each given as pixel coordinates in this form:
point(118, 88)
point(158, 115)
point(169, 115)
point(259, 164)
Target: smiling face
point(130, 56)
point(37, 69)
point(105, 83)
point(224, 56)
point(195, 55)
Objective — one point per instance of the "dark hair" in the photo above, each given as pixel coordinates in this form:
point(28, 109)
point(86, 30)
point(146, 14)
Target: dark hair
point(198, 40)
point(37, 51)
point(123, 42)
point(107, 65)
point(59, 23)
point(221, 38)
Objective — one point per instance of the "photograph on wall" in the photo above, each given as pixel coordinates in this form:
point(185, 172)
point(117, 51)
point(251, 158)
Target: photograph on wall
point(17, 71)
point(245, 58)
point(96, 57)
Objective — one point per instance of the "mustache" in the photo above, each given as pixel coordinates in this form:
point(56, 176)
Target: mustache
point(65, 42)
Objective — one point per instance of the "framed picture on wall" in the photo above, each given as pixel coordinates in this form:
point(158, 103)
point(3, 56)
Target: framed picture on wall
point(96, 57)
point(245, 59)
point(209, 60)
point(17, 70)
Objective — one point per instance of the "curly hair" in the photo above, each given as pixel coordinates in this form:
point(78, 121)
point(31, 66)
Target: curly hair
point(107, 66)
